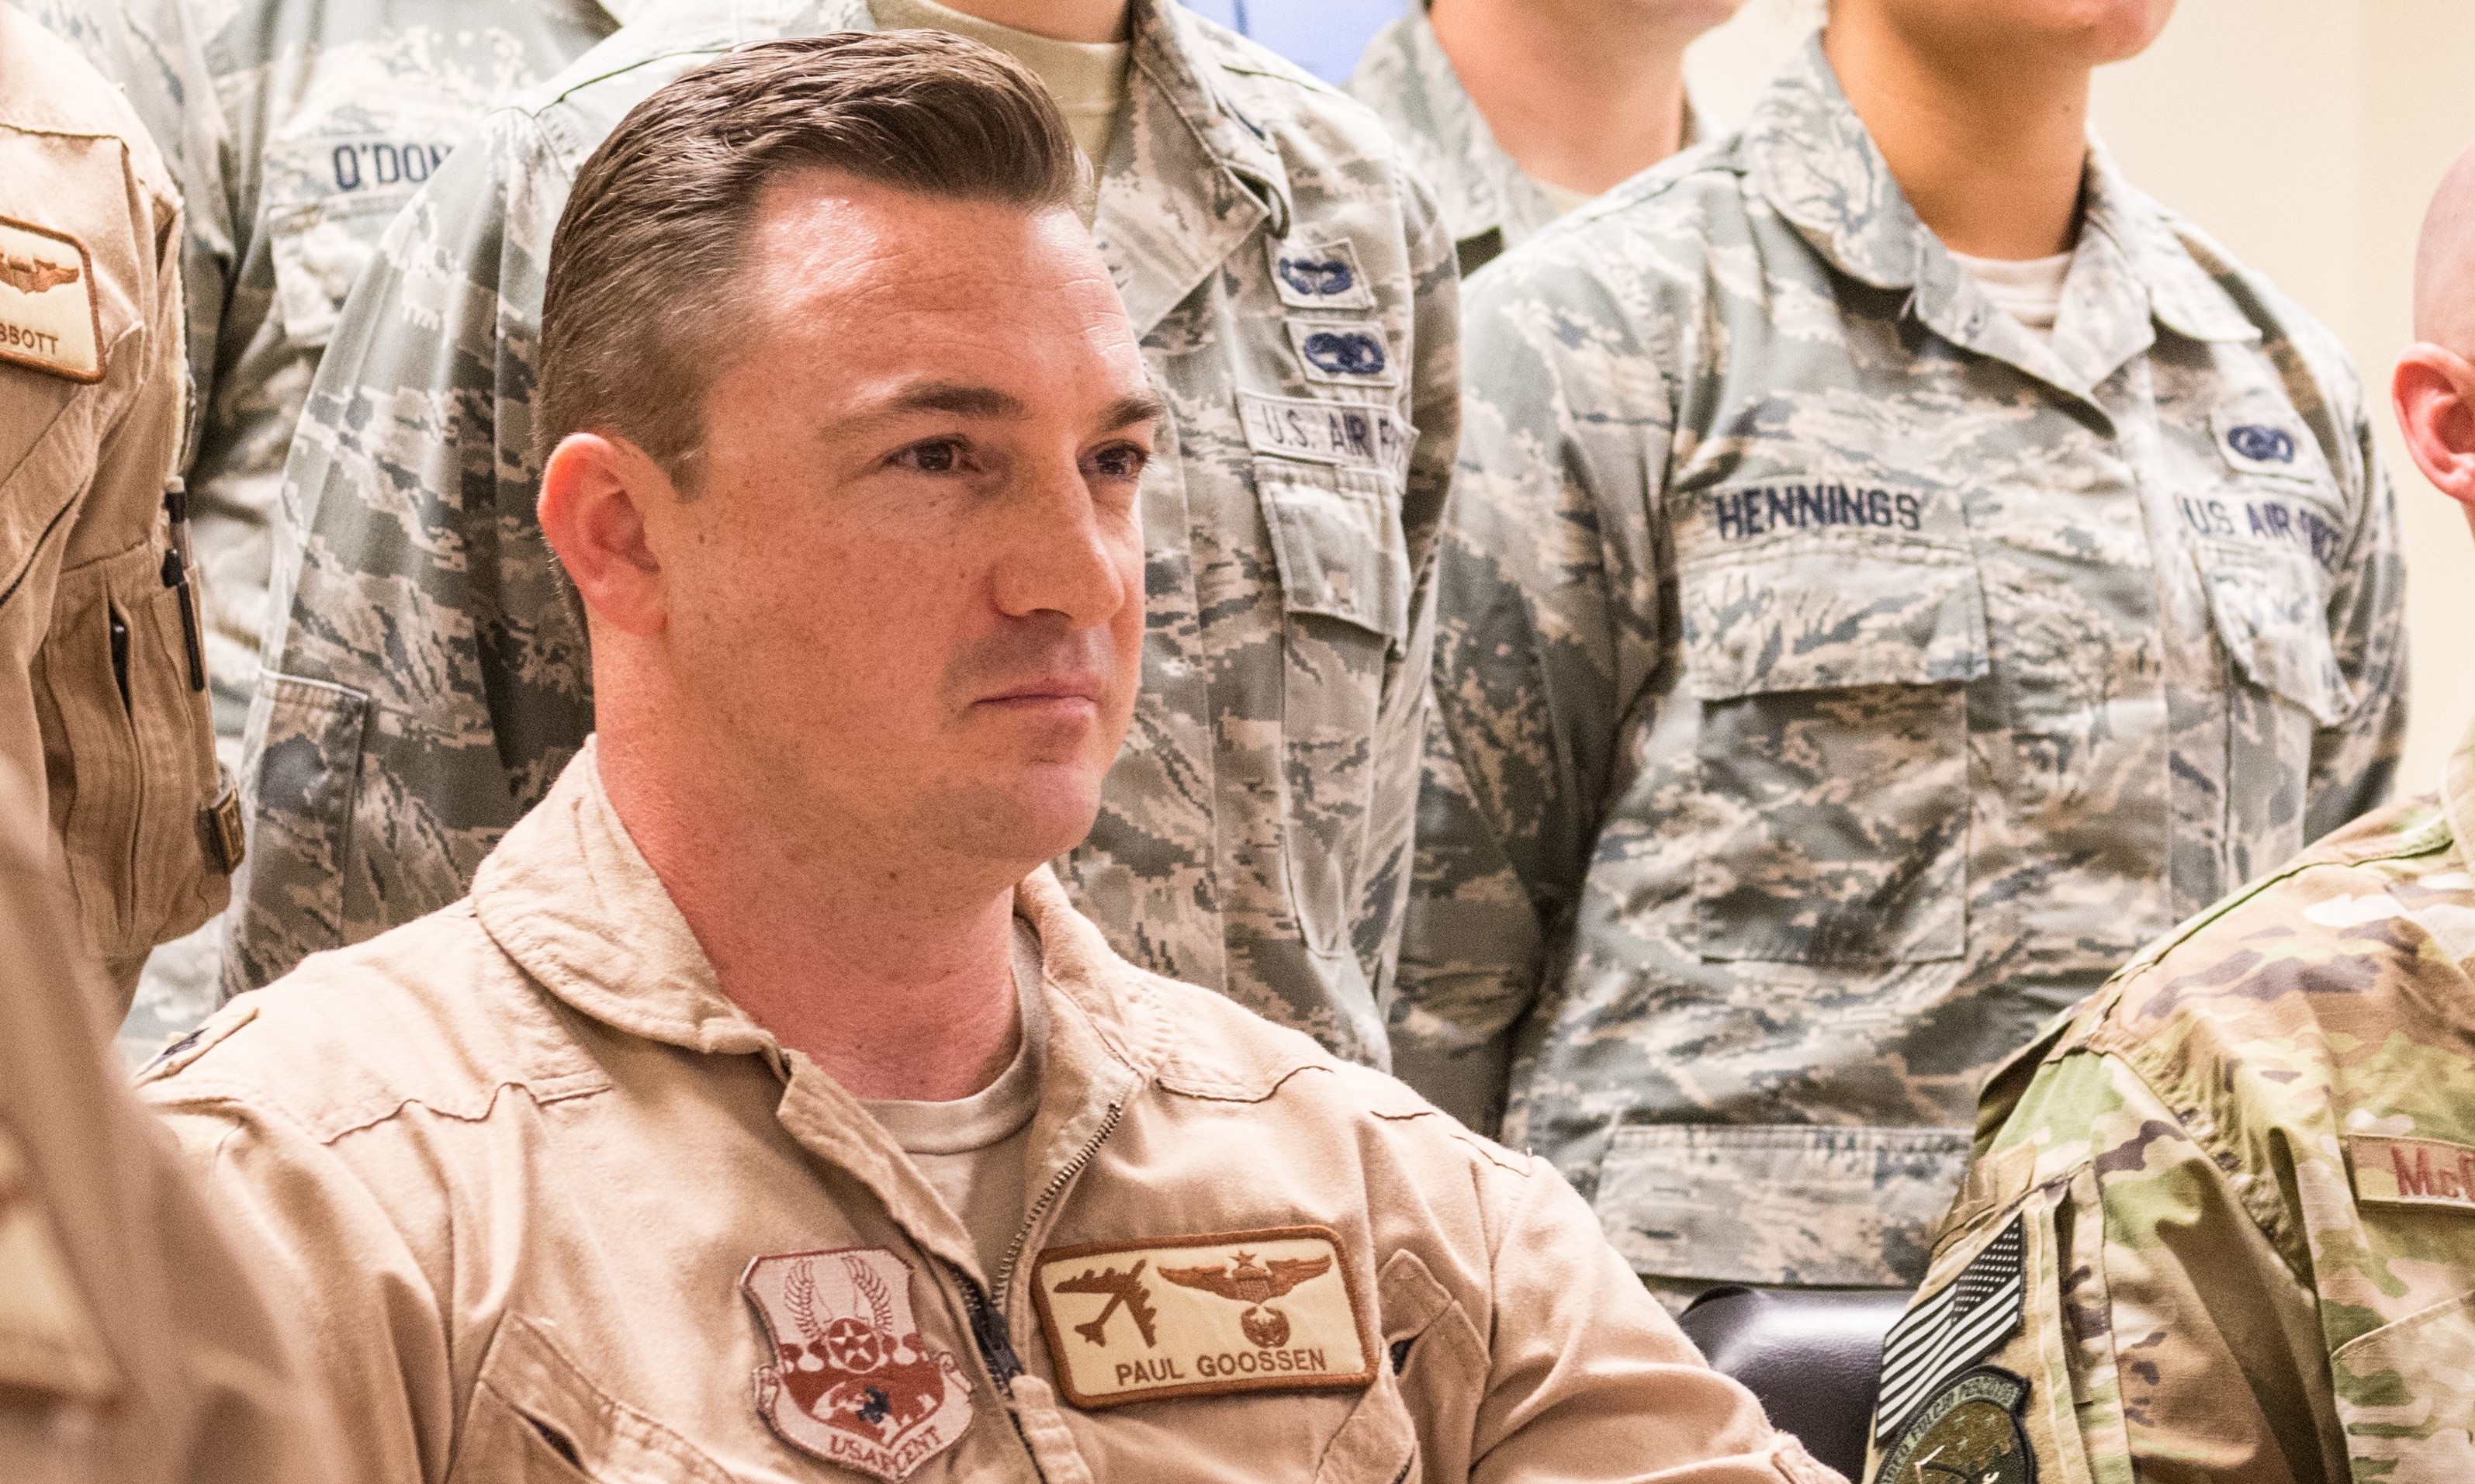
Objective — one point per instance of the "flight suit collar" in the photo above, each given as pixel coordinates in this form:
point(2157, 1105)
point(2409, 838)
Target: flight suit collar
point(1811, 157)
point(1191, 172)
point(569, 897)
point(2458, 792)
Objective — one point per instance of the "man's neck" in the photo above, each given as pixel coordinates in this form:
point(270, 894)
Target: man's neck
point(1990, 153)
point(1579, 99)
point(1059, 20)
point(896, 979)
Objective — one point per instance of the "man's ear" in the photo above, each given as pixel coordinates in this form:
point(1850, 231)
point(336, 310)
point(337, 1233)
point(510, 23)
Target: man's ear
point(594, 495)
point(2434, 392)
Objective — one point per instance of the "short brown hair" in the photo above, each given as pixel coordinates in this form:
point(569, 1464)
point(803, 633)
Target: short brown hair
point(646, 254)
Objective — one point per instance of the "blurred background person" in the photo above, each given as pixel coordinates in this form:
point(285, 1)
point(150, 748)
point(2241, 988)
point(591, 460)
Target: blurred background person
point(103, 701)
point(1519, 110)
point(1897, 568)
point(2253, 1154)
point(295, 131)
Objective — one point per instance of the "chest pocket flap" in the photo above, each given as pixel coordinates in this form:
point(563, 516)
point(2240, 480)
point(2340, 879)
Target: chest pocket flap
point(535, 1418)
point(1825, 615)
point(2271, 616)
point(320, 248)
point(1336, 537)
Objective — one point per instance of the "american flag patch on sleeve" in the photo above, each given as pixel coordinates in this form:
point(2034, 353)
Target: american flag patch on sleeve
point(1943, 1336)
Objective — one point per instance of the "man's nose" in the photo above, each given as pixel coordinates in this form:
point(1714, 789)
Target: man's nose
point(1059, 552)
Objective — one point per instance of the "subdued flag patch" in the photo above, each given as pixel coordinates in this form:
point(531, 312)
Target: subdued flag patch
point(1950, 1329)
point(2412, 1172)
point(1191, 1315)
point(48, 319)
point(852, 1380)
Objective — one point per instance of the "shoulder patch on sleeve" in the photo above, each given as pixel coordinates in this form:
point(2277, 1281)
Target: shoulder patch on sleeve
point(1950, 1331)
point(48, 317)
point(1970, 1430)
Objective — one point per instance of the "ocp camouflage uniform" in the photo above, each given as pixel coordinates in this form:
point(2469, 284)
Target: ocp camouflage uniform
point(1836, 679)
point(1295, 295)
point(2239, 1186)
point(1489, 201)
point(296, 130)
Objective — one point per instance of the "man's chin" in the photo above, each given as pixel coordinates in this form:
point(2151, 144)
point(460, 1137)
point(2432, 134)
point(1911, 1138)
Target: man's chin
point(1035, 816)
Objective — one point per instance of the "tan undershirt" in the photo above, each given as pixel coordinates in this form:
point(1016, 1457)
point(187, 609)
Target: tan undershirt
point(1087, 79)
point(976, 1150)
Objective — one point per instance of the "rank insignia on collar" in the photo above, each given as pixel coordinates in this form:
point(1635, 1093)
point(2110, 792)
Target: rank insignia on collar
point(48, 317)
point(1194, 1316)
point(853, 1381)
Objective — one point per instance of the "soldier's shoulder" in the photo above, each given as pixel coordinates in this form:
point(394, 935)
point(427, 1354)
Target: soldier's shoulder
point(49, 85)
point(1309, 121)
point(2315, 991)
point(1643, 243)
point(2256, 296)
point(1211, 1048)
point(431, 1016)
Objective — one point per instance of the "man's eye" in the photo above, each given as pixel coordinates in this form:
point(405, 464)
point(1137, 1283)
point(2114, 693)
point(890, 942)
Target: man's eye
point(932, 459)
point(1120, 461)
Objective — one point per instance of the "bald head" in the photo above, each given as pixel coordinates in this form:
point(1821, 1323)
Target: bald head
point(2445, 263)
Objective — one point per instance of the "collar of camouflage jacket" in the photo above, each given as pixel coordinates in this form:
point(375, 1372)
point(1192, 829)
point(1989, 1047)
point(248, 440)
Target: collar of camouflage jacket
point(1812, 157)
point(572, 901)
point(1190, 173)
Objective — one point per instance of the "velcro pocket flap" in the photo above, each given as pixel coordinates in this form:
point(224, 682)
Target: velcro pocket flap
point(535, 1416)
point(2270, 615)
point(320, 249)
point(1823, 614)
point(1337, 538)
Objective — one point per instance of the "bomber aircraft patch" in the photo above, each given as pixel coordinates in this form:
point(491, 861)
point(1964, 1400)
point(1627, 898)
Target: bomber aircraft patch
point(1195, 1316)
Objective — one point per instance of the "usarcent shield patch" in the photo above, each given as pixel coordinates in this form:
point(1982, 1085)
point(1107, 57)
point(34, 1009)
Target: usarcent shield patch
point(1198, 1316)
point(852, 1380)
point(1970, 1430)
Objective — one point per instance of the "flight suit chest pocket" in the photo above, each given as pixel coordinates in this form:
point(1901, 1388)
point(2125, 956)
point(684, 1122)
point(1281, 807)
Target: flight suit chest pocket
point(1833, 749)
point(320, 248)
point(535, 1419)
point(1343, 564)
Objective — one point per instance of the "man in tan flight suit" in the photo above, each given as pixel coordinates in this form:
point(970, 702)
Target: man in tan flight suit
point(137, 1344)
point(102, 696)
point(765, 1111)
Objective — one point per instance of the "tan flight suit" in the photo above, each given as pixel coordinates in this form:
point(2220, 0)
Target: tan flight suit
point(135, 1347)
point(559, 1209)
point(103, 697)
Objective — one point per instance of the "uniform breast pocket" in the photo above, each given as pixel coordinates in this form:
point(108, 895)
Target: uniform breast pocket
point(1832, 756)
point(1344, 569)
point(2406, 1395)
point(535, 1419)
point(320, 248)
point(2270, 607)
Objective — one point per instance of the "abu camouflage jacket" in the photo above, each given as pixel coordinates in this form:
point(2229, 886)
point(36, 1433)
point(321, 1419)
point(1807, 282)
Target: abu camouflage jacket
point(1296, 299)
point(2237, 1192)
point(1835, 678)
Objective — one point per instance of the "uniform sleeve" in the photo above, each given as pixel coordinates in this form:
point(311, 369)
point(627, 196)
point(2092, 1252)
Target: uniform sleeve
point(374, 1335)
point(2354, 762)
point(1588, 1379)
point(2159, 1335)
point(428, 676)
point(1547, 603)
point(1435, 407)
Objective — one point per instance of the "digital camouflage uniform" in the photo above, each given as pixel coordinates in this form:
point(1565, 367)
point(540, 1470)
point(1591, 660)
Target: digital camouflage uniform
point(2237, 1191)
point(1295, 296)
point(1837, 679)
point(296, 130)
point(1489, 201)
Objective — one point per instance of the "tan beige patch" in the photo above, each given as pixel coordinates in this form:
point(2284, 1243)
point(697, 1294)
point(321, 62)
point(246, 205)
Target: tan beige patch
point(47, 309)
point(1195, 1316)
point(2412, 1172)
